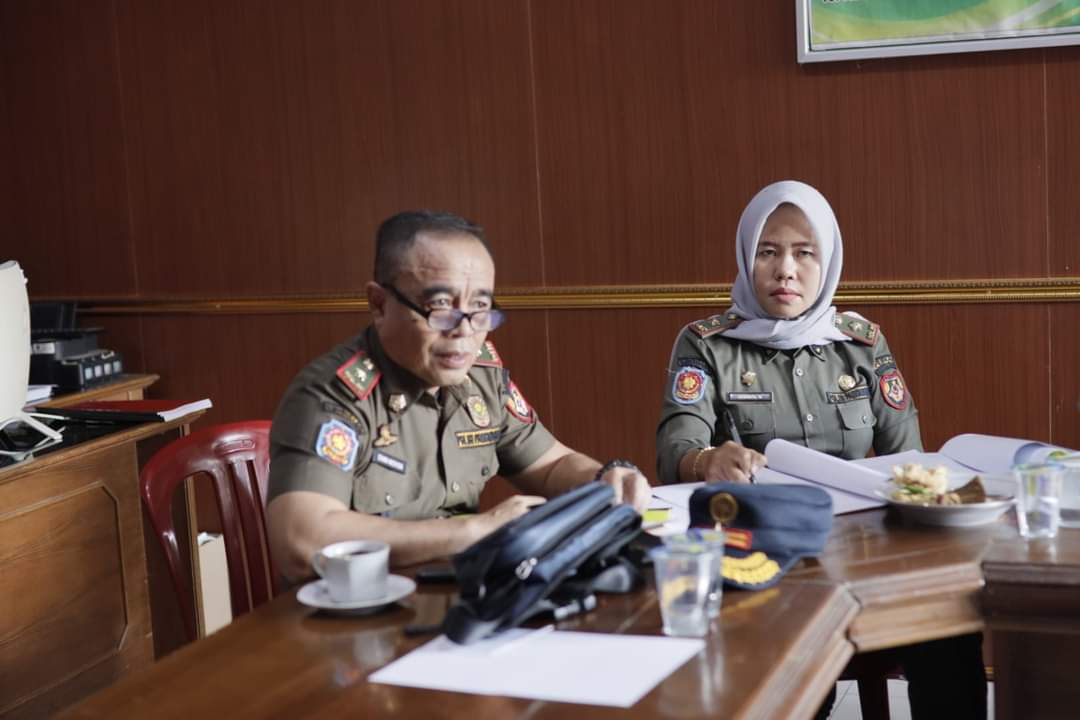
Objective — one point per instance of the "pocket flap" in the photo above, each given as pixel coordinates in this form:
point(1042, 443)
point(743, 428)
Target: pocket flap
point(856, 415)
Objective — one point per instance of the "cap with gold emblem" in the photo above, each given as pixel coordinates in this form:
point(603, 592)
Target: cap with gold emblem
point(767, 528)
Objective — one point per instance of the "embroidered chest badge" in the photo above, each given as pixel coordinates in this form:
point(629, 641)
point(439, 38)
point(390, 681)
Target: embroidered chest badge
point(478, 411)
point(893, 390)
point(337, 444)
point(689, 385)
point(517, 405)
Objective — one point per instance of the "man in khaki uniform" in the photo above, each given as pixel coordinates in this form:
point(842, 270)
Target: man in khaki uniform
point(839, 398)
point(402, 425)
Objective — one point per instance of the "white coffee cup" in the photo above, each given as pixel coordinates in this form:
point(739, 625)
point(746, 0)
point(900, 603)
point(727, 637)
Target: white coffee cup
point(354, 570)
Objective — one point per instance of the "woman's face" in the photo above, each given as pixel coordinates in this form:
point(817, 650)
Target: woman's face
point(787, 266)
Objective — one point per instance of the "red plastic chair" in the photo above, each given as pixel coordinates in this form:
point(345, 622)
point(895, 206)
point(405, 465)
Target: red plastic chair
point(236, 457)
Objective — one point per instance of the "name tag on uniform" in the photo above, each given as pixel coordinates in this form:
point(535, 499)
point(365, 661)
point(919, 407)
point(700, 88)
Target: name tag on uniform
point(857, 393)
point(750, 397)
point(389, 462)
point(477, 438)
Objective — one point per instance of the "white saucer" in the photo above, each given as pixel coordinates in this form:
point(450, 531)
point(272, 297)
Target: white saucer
point(315, 594)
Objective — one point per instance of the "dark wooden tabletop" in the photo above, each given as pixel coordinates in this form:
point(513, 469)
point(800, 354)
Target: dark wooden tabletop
point(772, 653)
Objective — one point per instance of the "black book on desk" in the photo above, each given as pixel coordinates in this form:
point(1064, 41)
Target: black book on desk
point(129, 411)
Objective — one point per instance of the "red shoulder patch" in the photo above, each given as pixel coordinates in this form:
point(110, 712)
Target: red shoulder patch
point(359, 375)
point(488, 356)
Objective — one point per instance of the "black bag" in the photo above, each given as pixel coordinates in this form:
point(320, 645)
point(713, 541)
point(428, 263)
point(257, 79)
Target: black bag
point(555, 555)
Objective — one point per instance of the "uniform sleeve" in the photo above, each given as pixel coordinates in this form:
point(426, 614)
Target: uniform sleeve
point(897, 427)
point(315, 444)
point(524, 438)
point(688, 406)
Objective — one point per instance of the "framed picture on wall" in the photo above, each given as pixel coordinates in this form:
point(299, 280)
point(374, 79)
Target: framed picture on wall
point(853, 29)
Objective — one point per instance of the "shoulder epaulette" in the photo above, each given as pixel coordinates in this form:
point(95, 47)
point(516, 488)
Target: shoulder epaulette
point(359, 375)
point(857, 328)
point(488, 355)
point(716, 323)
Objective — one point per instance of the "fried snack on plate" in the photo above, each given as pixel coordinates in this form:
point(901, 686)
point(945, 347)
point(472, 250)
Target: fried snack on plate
point(917, 484)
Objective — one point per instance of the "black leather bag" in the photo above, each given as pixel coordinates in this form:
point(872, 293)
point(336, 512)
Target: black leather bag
point(556, 555)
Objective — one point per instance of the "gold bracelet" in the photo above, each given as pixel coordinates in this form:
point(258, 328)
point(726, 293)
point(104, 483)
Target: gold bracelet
point(697, 459)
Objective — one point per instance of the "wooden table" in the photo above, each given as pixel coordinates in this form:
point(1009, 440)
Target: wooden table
point(124, 387)
point(74, 604)
point(773, 653)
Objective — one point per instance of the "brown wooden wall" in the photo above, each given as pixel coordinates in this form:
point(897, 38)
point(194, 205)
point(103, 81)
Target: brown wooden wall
point(215, 149)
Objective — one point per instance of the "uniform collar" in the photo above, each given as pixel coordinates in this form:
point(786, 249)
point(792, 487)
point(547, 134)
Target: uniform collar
point(396, 382)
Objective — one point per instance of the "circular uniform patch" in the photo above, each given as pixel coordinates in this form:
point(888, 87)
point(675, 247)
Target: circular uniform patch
point(337, 444)
point(517, 405)
point(689, 385)
point(893, 390)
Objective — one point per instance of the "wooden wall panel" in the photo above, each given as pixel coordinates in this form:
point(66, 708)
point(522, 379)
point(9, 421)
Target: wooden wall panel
point(1063, 383)
point(610, 370)
point(63, 179)
point(972, 368)
point(1063, 159)
point(272, 139)
point(657, 121)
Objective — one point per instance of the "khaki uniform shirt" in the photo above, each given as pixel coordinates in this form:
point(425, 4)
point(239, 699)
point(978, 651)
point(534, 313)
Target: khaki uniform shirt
point(357, 427)
point(840, 398)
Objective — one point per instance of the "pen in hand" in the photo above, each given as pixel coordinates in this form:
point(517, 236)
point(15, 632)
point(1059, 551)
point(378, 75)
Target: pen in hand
point(733, 435)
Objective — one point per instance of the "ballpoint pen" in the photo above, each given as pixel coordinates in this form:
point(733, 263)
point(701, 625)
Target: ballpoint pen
point(733, 434)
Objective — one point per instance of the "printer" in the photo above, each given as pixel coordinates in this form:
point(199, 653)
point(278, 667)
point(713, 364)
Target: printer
point(67, 356)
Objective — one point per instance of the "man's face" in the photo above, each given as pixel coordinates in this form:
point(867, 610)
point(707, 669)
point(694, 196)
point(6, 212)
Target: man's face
point(438, 272)
point(787, 264)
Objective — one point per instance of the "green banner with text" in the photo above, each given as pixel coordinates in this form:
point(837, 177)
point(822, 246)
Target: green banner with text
point(836, 24)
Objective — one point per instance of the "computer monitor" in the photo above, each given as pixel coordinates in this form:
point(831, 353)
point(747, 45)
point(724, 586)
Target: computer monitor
point(15, 354)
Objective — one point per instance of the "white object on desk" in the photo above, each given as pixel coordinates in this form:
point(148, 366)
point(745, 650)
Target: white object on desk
point(15, 355)
point(573, 667)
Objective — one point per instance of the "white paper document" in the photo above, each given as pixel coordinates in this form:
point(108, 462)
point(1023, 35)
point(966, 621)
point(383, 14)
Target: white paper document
point(993, 454)
point(572, 667)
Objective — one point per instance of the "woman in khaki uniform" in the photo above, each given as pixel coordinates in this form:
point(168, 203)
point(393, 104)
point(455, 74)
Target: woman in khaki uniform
point(782, 362)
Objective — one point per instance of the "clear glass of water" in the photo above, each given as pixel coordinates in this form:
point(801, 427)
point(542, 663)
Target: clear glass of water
point(684, 575)
point(1038, 499)
point(713, 541)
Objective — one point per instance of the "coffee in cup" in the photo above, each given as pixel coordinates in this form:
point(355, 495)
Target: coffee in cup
point(354, 570)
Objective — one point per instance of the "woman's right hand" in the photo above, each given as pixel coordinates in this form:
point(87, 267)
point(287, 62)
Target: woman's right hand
point(731, 462)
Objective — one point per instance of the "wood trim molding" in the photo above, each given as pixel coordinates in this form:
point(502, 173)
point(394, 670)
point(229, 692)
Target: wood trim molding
point(923, 292)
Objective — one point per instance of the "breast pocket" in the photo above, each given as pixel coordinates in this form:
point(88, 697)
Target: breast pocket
point(756, 423)
point(383, 489)
point(857, 423)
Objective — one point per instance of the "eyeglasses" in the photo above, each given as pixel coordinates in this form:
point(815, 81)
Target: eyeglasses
point(448, 319)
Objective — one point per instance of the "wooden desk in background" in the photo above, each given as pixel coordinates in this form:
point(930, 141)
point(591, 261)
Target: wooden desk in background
point(74, 601)
point(772, 654)
point(125, 387)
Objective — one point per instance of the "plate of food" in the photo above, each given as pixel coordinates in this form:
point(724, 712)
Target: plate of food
point(923, 495)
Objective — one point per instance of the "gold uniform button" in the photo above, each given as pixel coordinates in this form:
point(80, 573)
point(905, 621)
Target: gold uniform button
point(455, 486)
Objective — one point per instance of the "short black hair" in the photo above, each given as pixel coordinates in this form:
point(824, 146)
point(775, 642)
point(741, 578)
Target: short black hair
point(397, 234)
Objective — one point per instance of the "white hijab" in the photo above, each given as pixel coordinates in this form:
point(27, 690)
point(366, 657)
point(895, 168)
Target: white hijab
point(815, 326)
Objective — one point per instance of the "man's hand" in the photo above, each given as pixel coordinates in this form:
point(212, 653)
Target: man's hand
point(630, 485)
point(509, 509)
point(731, 462)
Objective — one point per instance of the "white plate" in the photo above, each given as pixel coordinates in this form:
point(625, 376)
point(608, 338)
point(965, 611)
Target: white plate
point(951, 515)
point(315, 594)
